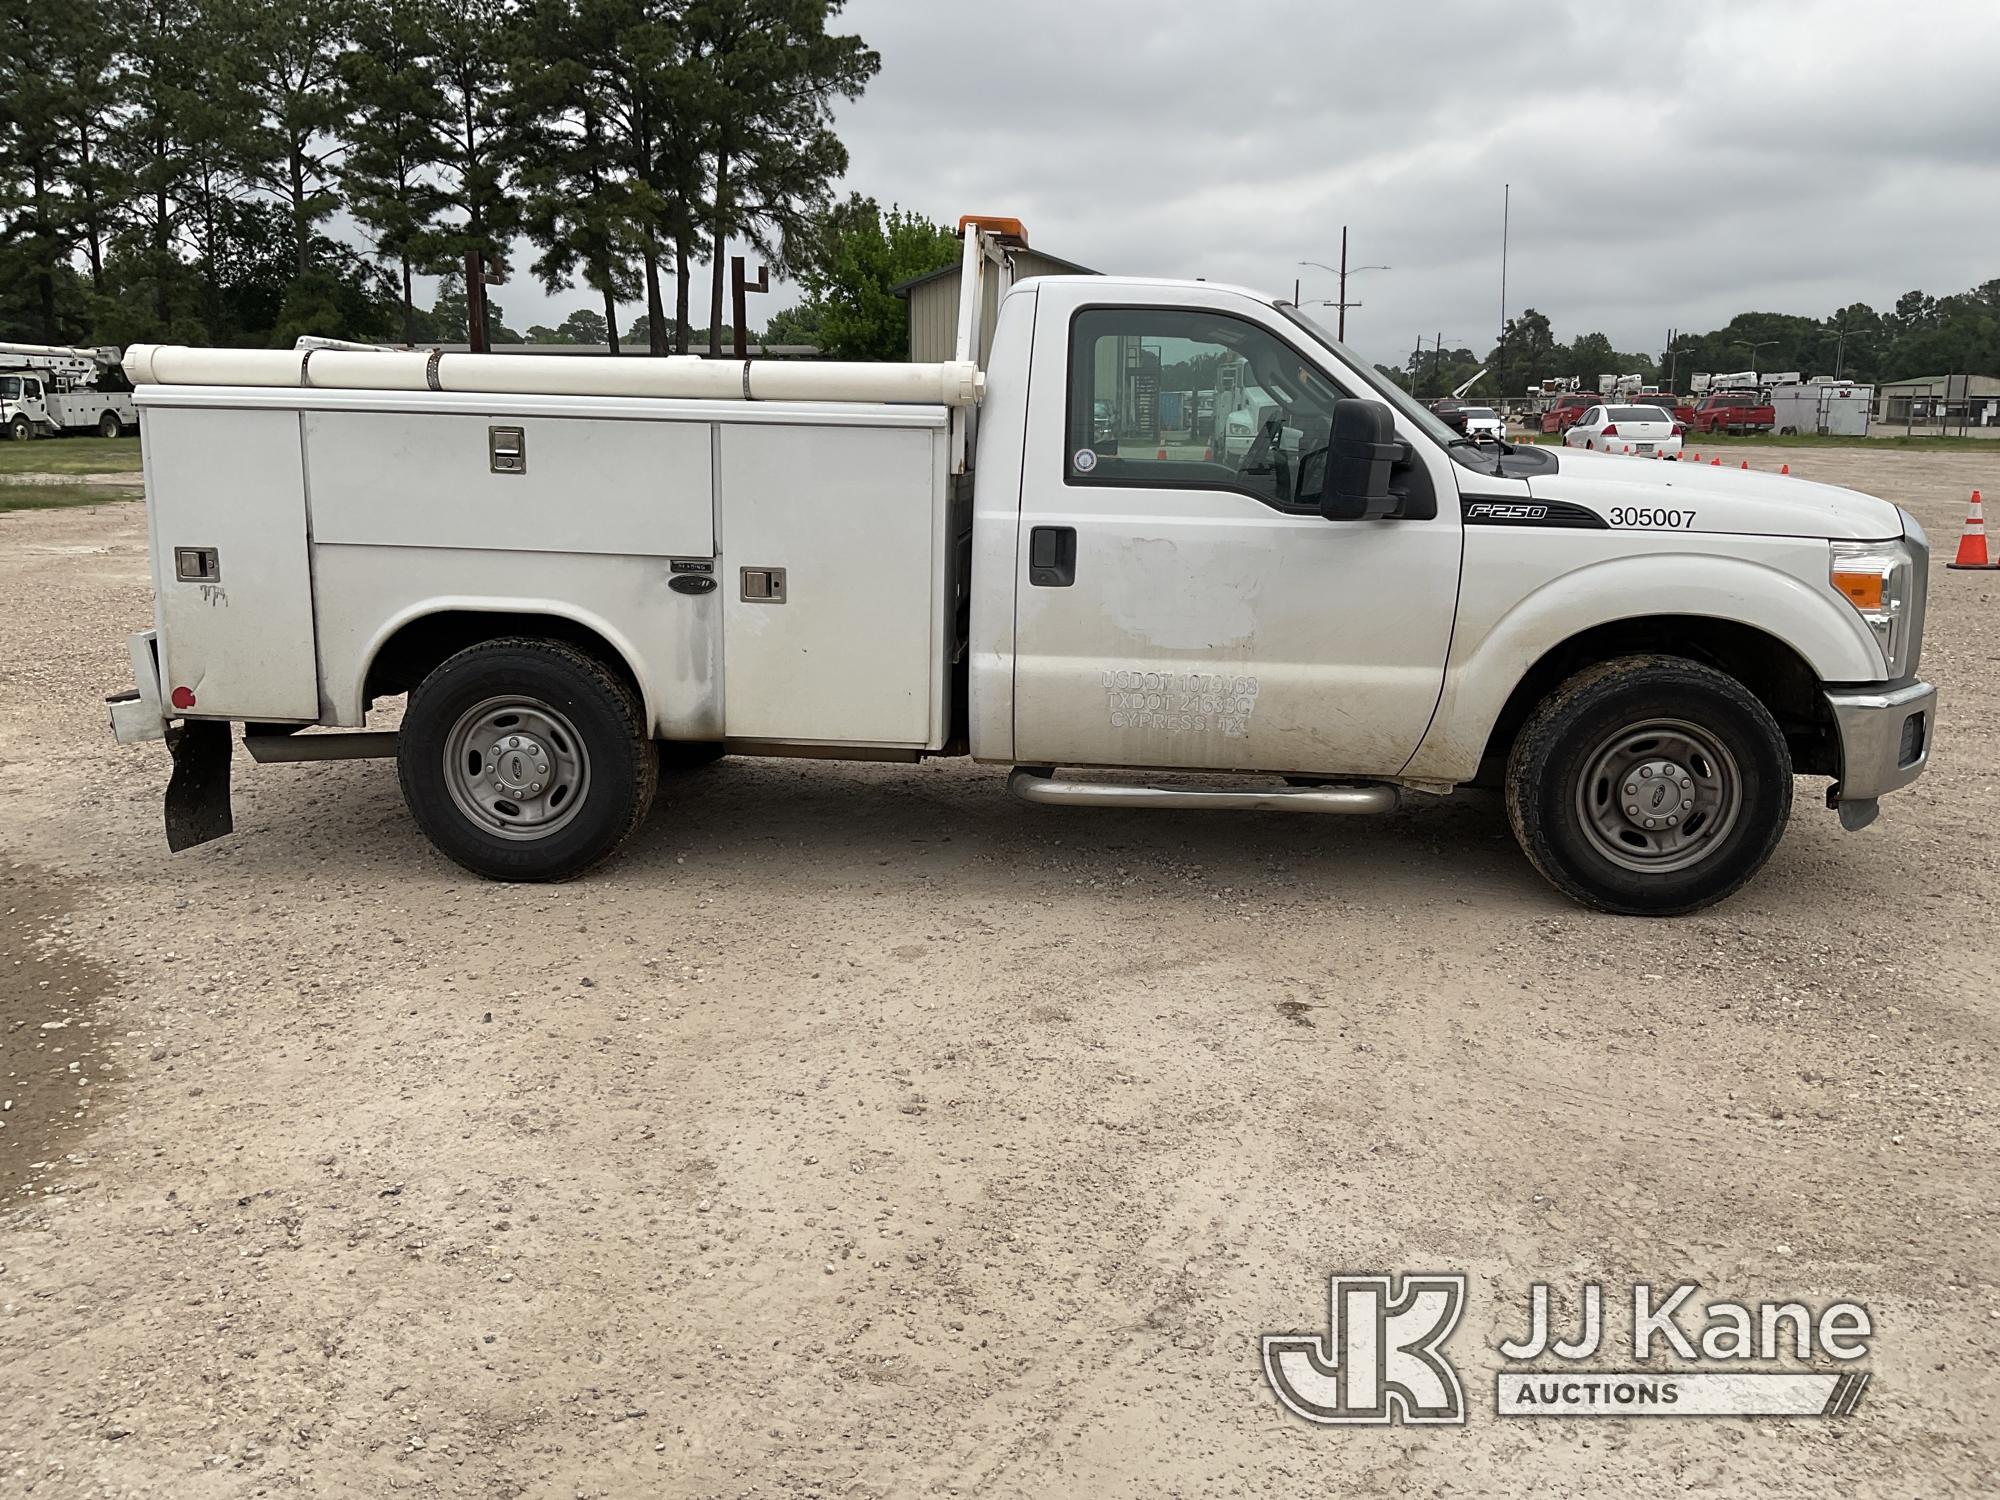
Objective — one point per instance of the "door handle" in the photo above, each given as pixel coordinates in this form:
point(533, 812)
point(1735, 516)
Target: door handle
point(1052, 557)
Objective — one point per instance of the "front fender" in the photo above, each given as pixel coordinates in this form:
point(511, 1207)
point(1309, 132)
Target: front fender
point(1498, 640)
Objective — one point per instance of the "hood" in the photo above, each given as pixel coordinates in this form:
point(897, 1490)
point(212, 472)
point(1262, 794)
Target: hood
point(1740, 501)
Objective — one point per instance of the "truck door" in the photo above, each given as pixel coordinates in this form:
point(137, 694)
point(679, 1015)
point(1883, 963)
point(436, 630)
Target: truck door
point(1176, 603)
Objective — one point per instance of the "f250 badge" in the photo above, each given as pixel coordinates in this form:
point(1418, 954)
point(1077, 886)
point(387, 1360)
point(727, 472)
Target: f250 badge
point(1533, 513)
point(1510, 512)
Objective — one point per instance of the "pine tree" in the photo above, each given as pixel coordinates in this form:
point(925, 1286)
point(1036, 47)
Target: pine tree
point(284, 57)
point(467, 55)
point(769, 72)
point(396, 115)
point(36, 228)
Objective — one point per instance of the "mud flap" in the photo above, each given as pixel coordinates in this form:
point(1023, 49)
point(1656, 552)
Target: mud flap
point(198, 791)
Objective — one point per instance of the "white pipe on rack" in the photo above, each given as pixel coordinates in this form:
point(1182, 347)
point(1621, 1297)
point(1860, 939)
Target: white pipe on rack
point(954, 383)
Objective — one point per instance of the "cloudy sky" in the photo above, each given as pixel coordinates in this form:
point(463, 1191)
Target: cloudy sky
point(1670, 165)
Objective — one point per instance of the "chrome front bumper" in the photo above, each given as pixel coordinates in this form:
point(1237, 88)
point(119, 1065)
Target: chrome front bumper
point(1885, 742)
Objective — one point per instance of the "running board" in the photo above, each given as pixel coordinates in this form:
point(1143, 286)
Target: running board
point(1039, 784)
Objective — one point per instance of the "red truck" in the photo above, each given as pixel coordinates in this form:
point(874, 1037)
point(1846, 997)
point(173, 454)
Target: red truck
point(1569, 407)
point(1734, 411)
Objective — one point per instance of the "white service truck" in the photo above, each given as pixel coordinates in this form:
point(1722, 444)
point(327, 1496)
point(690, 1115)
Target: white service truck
point(584, 572)
point(47, 390)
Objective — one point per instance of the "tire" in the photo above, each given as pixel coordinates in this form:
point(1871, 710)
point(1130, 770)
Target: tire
point(108, 425)
point(1731, 781)
point(20, 429)
point(681, 756)
point(582, 728)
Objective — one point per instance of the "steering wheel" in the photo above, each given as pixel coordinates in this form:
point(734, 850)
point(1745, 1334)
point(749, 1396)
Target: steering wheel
point(1266, 455)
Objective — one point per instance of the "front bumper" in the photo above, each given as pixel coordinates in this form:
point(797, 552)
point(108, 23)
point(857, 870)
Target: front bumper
point(1885, 742)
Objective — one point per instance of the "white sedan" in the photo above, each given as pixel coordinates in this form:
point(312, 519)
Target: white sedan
point(1643, 431)
point(1483, 424)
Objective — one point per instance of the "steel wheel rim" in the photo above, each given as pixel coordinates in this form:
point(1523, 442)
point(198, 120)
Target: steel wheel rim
point(516, 768)
point(1659, 795)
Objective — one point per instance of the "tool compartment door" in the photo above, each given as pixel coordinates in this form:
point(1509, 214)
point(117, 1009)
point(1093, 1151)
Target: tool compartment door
point(832, 543)
point(237, 631)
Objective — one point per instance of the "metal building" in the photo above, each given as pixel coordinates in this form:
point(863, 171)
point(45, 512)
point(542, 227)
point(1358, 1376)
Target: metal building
point(933, 301)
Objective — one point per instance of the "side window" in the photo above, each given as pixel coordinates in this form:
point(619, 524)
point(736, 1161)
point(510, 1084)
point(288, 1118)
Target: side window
point(1169, 398)
point(31, 388)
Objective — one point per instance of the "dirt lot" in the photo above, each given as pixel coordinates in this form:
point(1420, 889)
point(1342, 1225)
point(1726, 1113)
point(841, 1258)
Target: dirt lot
point(864, 1132)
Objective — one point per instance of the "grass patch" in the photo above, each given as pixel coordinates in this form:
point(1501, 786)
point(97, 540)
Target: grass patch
point(63, 496)
point(70, 455)
point(1693, 441)
point(1817, 440)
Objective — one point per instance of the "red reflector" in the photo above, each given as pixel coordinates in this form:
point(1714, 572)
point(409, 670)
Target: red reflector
point(183, 697)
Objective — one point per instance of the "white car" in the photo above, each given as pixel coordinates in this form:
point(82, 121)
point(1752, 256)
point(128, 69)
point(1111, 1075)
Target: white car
point(1484, 424)
point(1643, 431)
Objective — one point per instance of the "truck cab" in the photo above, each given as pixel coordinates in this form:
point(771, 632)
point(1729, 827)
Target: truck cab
point(1355, 607)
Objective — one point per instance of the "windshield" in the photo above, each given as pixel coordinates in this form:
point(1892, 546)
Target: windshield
point(1485, 413)
point(10, 388)
point(1400, 400)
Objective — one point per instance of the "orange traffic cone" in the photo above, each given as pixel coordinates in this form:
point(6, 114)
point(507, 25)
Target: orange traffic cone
point(1208, 454)
point(1696, 458)
point(1161, 456)
point(1715, 463)
point(1784, 468)
point(1972, 545)
point(1628, 450)
point(1746, 463)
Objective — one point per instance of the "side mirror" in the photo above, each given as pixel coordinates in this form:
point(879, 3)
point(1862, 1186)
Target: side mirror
point(1358, 460)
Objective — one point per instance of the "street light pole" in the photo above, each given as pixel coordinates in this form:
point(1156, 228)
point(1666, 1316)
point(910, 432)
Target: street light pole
point(1753, 348)
point(1343, 271)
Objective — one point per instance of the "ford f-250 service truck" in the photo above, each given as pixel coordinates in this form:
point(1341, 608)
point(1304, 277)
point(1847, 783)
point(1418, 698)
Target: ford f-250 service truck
point(582, 571)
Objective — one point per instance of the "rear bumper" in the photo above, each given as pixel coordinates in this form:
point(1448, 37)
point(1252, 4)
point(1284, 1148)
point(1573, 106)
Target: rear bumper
point(139, 713)
point(1885, 738)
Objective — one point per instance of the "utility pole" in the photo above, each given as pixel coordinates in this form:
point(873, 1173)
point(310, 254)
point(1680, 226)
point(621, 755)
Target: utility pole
point(738, 285)
point(475, 301)
point(1437, 358)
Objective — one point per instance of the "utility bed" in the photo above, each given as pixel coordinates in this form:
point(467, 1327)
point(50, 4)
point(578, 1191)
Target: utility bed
point(774, 571)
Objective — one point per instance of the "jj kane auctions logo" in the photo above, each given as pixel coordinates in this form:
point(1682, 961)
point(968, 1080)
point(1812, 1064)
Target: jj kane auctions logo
point(1382, 1357)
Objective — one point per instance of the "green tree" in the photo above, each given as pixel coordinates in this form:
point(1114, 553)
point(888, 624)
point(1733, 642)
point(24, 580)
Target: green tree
point(793, 325)
point(450, 318)
point(87, 87)
point(768, 72)
point(584, 327)
point(396, 114)
point(569, 119)
point(36, 226)
point(467, 51)
point(849, 261)
point(284, 58)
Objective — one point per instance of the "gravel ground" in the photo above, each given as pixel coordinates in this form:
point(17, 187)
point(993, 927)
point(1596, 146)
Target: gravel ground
point(864, 1132)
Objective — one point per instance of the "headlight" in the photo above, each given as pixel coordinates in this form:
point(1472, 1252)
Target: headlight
point(1875, 577)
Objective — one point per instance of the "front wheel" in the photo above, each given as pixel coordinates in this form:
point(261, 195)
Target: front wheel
point(526, 759)
point(1649, 785)
point(20, 429)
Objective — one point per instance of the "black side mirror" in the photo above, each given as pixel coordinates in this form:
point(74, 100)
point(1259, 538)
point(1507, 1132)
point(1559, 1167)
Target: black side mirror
point(1364, 447)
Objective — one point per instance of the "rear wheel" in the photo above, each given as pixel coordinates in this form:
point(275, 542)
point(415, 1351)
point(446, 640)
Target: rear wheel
point(109, 426)
point(1650, 785)
point(526, 759)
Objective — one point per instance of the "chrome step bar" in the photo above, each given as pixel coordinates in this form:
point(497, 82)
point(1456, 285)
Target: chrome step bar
point(1039, 784)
